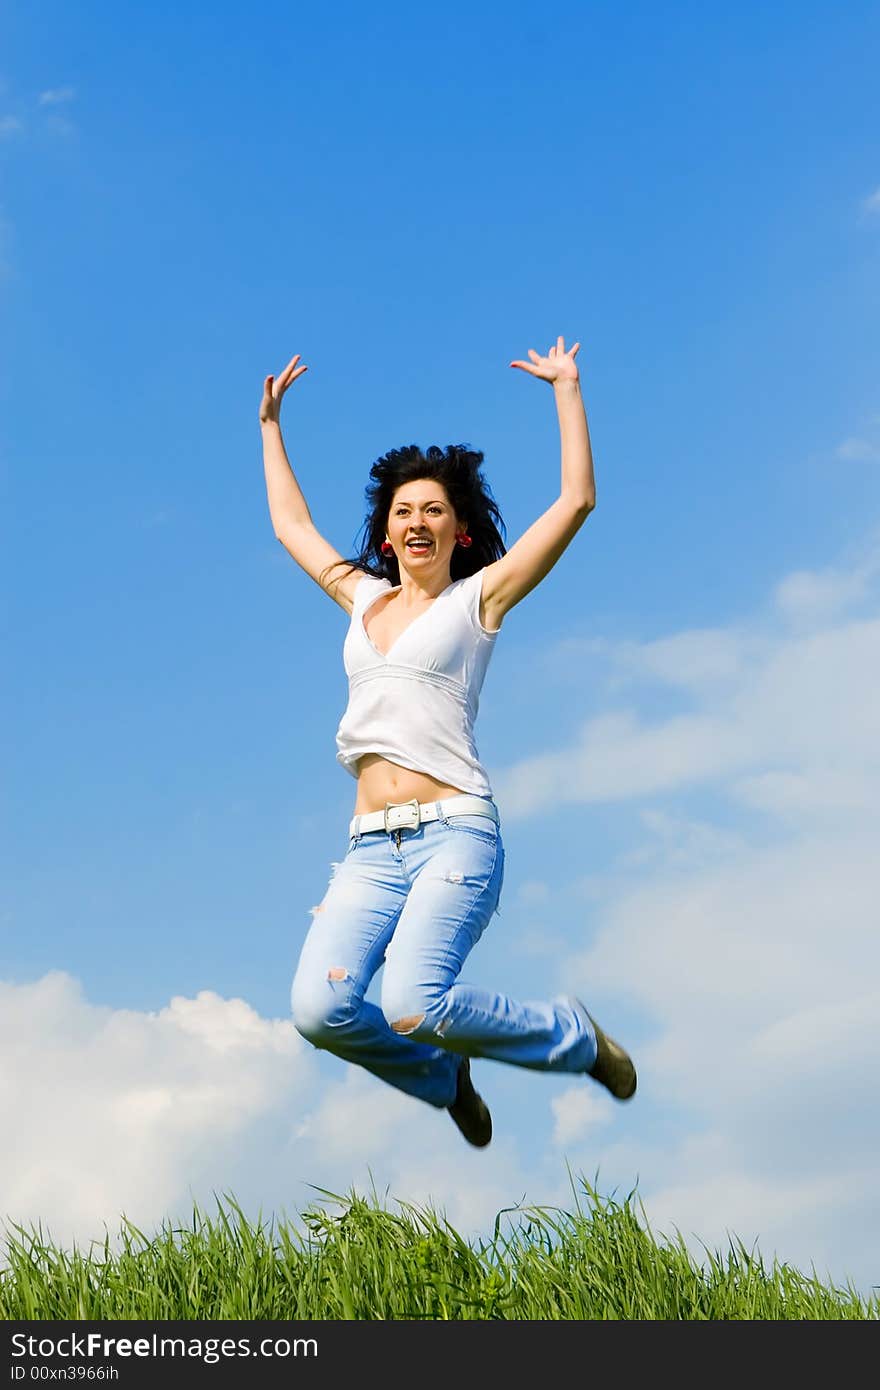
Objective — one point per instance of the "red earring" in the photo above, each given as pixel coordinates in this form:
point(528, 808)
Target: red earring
point(463, 539)
point(386, 548)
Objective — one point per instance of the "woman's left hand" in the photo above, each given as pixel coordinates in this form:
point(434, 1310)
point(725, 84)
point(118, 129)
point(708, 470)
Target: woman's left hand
point(558, 365)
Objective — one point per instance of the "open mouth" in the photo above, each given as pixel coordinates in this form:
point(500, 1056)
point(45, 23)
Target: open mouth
point(418, 547)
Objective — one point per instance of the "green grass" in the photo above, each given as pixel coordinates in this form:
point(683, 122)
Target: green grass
point(353, 1258)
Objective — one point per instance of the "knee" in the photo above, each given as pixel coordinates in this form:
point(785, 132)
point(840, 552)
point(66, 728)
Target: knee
point(409, 1010)
point(311, 1024)
point(319, 1014)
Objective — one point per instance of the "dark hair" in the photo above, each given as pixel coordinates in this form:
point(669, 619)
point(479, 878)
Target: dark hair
point(458, 468)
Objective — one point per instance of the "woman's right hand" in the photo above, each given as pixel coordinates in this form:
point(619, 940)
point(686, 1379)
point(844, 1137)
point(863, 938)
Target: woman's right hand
point(274, 388)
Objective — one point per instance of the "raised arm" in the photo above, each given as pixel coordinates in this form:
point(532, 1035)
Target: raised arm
point(509, 579)
point(291, 518)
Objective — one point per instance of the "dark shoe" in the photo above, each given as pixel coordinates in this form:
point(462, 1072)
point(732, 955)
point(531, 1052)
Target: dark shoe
point(469, 1111)
point(613, 1068)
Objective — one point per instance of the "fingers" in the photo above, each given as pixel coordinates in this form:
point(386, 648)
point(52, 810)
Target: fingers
point(287, 375)
point(549, 368)
point(274, 387)
point(288, 371)
point(558, 350)
point(537, 366)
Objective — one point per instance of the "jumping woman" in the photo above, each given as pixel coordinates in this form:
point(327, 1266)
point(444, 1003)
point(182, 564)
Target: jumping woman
point(421, 878)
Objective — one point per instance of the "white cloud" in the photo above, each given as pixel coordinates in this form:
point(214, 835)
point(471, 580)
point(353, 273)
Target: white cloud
point(803, 1221)
point(617, 757)
point(699, 660)
point(355, 1105)
point(119, 1111)
point(675, 841)
point(578, 1111)
point(360, 1133)
point(809, 597)
point(793, 694)
point(54, 96)
point(10, 125)
point(727, 951)
point(819, 792)
point(858, 450)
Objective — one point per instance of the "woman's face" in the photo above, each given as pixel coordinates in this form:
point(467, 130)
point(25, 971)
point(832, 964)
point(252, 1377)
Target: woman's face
point(422, 525)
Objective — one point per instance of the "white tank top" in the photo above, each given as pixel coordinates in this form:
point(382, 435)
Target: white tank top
point(416, 705)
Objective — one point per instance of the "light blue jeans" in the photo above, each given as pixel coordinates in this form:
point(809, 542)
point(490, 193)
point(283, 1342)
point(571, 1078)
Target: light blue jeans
point(419, 899)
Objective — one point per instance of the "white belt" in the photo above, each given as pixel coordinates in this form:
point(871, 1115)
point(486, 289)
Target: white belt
point(400, 815)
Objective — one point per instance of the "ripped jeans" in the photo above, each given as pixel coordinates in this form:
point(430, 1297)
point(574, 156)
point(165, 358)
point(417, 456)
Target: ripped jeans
point(419, 899)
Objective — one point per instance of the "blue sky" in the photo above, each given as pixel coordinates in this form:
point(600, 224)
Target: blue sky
point(679, 722)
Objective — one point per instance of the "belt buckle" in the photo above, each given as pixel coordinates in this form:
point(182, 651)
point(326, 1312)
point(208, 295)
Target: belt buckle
point(406, 817)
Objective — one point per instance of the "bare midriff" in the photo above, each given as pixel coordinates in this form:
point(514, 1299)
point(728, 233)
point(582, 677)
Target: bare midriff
point(380, 781)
